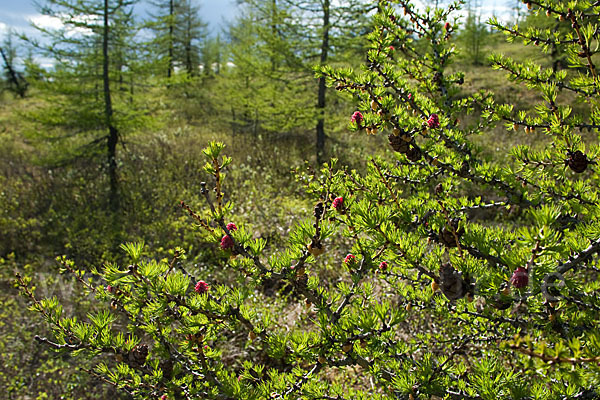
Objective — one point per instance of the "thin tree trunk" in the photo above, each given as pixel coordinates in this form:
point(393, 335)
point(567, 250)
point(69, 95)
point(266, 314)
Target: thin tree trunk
point(188, 40)
point(233, 122)
point(131, 88)
point(113, 134)
point(188, 60)
point(218, 58)
point(171, 27)
point(188, 50)
point(273, 30)
point(14, 78)
point(322, 87)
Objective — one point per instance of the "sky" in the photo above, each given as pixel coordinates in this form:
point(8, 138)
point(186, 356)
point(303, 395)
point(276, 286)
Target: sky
point(18, 13)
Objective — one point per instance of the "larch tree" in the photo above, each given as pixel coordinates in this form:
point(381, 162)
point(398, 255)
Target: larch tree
point(163, 24)
point(190, 32)
point(15, 81)
point(89, 56)
point(267, 88)
point(179, 34)
point(275, 45)
point(211, 55)
point(334, 31)
point(474, 35)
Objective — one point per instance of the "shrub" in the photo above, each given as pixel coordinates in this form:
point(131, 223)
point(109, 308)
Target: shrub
point(455, 275)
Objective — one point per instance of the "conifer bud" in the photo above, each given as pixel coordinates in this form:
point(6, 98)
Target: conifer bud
point(452, 284)
point(227, 242)
point(357, 117)
point(413, 154)
point(315, 248)
point(350, 260)
point(338, 204)
point(398, 144)
point(319, 210)
point(577, 161)
point(201, 287)
point(433, 121)
point(520, 278)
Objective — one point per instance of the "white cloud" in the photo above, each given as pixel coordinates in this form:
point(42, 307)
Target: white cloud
point(501, 9)
point(44, 62)
point(46, 21)
point(50, 22)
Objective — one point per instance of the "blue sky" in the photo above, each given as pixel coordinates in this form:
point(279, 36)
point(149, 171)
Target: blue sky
point(17, 13)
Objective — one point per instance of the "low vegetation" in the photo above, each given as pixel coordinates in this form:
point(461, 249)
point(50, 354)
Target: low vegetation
point(447, 248)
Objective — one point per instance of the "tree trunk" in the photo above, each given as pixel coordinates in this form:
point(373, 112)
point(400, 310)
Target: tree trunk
point(273, 30)
point(19, 83)
point(188, 40)
point(171, 27)
point(113, 134)
point(188, 60)
point(322, 87)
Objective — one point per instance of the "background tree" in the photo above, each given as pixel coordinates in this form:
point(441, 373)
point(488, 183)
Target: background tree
point(90, 56)
point(517, 7)
point(474, 35)
point(334, 31)
point(266, 87)
point(212, 55)
point(190, 33)
point(163, 24)
point(179, 34)
point(284, 40)
point(16, 82)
